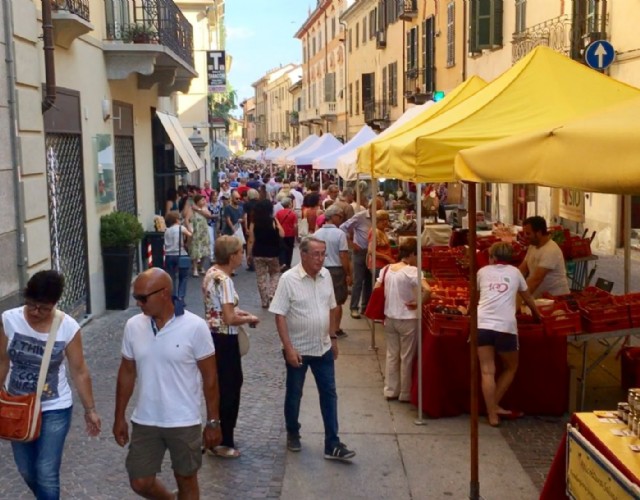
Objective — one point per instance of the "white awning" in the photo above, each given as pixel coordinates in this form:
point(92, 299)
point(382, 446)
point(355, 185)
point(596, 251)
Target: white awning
point(180, 141)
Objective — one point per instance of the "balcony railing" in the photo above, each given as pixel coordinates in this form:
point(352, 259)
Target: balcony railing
point(150, 21)
point(407, 9)
point(78, 7)
point(418, 88)
point(554, 33)
point(376, 112)
point(294, 119)
point(328, 109)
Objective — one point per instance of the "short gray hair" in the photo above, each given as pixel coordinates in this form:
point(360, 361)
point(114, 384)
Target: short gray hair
point(306, 241)
point(285, 202)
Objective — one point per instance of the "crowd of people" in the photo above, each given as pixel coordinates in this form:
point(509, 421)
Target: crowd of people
point(175, 357)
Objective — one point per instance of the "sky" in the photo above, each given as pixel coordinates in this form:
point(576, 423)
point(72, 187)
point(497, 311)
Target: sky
point(260, 38)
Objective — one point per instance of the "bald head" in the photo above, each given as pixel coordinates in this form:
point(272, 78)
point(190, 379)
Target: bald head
point(154, 277)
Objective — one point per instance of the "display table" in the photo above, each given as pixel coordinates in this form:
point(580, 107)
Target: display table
point(598, 434)
point(540, 387)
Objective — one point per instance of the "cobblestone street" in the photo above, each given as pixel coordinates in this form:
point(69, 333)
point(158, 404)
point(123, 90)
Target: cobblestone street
point(94, 468)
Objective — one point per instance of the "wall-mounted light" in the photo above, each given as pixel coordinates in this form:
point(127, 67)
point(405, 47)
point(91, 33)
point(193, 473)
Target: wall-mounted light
point(106, 109)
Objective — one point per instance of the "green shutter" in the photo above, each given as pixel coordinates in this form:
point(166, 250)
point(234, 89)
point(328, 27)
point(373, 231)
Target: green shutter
point(498, 11)
point(473, 26)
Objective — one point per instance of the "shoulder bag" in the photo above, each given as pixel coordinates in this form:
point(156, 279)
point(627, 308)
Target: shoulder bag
point(243, 340)
point(375, 307)
point(303, 225)
point(21, 416)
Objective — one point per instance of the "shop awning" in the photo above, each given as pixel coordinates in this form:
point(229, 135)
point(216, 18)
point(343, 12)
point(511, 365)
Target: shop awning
point(180, 141)
point(543, 89)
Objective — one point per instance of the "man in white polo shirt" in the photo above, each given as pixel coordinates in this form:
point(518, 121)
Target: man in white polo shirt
point(166, 354)
point(305, 309)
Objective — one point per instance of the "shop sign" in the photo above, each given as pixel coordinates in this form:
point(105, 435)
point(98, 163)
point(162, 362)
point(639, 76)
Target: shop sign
point(216, 71)
point(572, 204)
point(591, 476)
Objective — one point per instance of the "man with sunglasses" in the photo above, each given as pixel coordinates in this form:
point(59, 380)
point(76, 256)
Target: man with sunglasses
point(166, 354)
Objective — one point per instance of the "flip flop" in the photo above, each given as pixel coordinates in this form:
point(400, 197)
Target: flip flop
point(226, 452)
point(511, 415)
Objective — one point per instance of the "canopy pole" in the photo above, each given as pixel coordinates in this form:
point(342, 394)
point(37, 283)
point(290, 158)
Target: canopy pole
point(419, 420)
point(320, 175)
point(373, 208)
point(627, 242)
point(474, 486)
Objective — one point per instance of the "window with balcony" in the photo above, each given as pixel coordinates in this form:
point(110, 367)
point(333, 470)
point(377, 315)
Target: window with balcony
point(429, 53)
point(330, 87)
point(368, 88)
point(451, 34)
point(521, 16)
point(412, 49)
point(485, 25)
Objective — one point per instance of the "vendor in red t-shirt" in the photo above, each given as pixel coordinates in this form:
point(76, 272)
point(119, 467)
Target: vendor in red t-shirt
point(289, 222)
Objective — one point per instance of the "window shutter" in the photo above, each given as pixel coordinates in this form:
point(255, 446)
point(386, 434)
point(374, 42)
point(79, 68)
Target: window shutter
point(473, 26)
point(409, 61)
point(498, 15)
point(384, 83)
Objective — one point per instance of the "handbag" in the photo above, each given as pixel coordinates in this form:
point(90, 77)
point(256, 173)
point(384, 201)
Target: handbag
point(184, 261)
point(375, 307)
point(243, 341)
point(21, 416)
point(303, 226)
point(238, 233)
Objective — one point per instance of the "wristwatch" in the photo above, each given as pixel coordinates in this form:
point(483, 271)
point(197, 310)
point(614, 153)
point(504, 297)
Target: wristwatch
point(212, 424)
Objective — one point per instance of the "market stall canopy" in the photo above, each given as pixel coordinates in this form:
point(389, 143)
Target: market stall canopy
point(180, 141)
point(330, 160)
point(347, 161)
point(220, 150)
point(415, 117)
point(324, 145)
point(282, 159)
point(273, 154)
point(543, 89)
point(599, 152)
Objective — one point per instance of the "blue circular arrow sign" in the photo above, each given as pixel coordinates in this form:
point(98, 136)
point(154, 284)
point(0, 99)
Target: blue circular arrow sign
point(599, 54)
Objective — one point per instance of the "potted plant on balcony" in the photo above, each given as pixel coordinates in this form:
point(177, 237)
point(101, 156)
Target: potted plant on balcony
point(120, 232)
point(140, 33)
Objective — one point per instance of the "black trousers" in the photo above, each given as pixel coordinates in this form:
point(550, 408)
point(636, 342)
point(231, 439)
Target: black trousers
point(286, 250)
point(230, 382)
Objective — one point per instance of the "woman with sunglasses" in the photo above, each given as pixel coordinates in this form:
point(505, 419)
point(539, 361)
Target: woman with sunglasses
point(23, 336)
point(223, 316)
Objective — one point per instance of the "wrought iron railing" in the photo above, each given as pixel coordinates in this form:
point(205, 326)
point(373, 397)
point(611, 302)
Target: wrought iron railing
point(376, 111)
point(78, 7)
point(554, 33)
point(150, 21)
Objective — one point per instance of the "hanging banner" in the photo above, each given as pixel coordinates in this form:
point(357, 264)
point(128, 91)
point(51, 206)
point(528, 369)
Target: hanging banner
point(572, 204)
point(216, 71)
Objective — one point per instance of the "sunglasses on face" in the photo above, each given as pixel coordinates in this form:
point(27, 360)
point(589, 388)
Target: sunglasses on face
point(142, 298)
point(35, 306)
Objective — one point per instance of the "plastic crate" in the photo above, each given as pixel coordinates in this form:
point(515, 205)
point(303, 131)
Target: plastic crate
point(604, 315)
point(559, 319)
point(527, 326)
point(633, 303)
point(453, 325)
point(579, 247)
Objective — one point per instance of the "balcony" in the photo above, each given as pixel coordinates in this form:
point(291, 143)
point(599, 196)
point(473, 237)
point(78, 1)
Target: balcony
point(328, 111)
point(417, 89)
point(152, 38)
point(376, 114)
point(70, 21)
point(554, 33)
point(310, 116)
point(381, 39)
point(407, 9)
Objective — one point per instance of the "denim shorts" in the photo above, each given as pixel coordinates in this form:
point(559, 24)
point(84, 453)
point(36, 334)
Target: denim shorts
point(502, 342)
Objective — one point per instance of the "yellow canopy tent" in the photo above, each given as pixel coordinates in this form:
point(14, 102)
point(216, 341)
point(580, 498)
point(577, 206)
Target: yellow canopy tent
point(463, 91)
point(599, 152)
point(543, 89)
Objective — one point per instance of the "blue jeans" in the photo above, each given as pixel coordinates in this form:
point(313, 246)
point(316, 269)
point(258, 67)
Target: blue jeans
point(178, 276)
point(323, 371)
point(39, 461)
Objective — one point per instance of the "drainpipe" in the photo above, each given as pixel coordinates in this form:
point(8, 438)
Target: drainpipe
point(345, 82)
point(16, 158)
point(49, 68)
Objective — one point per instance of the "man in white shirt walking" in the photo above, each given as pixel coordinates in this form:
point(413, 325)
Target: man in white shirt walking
point(166, 354)
point(306, 309)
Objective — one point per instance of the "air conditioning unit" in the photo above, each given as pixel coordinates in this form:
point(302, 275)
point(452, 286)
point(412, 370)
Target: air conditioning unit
point(381, 39)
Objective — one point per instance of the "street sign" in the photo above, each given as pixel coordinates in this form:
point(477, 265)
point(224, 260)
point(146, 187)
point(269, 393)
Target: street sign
point(599, 54)
point(216, 71)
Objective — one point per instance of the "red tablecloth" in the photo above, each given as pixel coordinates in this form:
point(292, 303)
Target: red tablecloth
point(540, 387)
point(555, 484)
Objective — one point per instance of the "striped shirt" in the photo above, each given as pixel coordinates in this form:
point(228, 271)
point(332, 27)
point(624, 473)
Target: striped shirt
point(360, 223)
point(306, 304)
point(336, 242)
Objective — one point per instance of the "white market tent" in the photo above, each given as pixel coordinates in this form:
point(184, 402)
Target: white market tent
point(249, 155)
point(324, 145)
point(282, 159)
point(330, 161)
point(273, 154)
point(348, 162)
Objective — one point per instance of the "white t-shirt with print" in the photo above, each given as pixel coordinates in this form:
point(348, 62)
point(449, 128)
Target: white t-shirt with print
point(548, 256)
point(26, 348)
point(168, 378)
point(499, 285)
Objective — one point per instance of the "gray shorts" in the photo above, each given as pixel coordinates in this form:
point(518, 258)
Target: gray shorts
point(339, 280)
point(149, 444)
